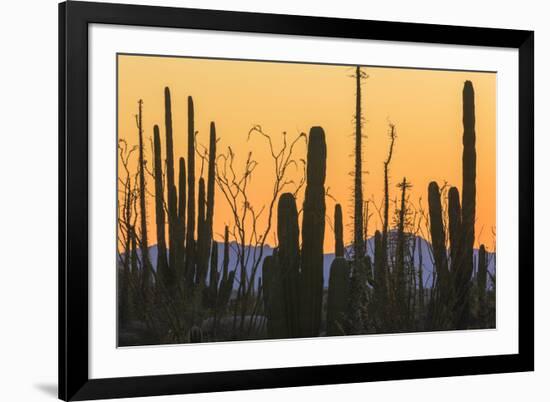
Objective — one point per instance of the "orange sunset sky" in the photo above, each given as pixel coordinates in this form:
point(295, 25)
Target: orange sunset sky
point(424, 105)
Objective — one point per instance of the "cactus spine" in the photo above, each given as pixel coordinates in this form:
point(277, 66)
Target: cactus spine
point(313, 233)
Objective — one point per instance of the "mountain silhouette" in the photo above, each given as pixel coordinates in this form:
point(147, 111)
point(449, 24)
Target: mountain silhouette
point(427, 263)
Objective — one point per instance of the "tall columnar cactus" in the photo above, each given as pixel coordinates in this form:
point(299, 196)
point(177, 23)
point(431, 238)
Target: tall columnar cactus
point(338, 293)
point(180, 232)
point(162, 262)
point(313, 233)
point(190, 237)
point(358, 240)
point(338, 231)
point(146, 274)
point(437, 233)
point(273, 302)
point(468, 205)
point(210, 293)
point(440, 303)
point(210, 187)
point(170, 186)
point(206, 211)
point(214, 274)
point(225, 253)
point(201, 235)
point(226, 282)
point(289, 261)
point(482, 283)
point(455, 228)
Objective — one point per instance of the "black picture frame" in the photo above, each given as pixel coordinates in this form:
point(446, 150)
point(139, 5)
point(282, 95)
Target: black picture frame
point(74, 18)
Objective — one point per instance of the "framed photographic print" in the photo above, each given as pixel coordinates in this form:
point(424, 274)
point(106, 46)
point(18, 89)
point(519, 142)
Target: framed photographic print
point(256, 200)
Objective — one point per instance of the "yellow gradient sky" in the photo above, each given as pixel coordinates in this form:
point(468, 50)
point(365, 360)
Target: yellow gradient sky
point(424, 105)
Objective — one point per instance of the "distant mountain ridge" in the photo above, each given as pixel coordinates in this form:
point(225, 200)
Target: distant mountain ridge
point(427, 265)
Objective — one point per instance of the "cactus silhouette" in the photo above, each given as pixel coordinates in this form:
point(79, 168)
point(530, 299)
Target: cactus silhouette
point(455, 228)
point(338, 293)
point(201, 234)
point(209, 219)
point(289, 260)
point(180, 230)
point(439, 305)
point(273, 300)
point(468, 206)
point(482, 284)
point(201, 243)
point(339, 281)
point(214, 278)
point(206, 212)
point(338, 231)
point(225, 271)
point(190, 237)
point(162, 262)
point(191, 290)
point(313, 233)
point(226, 282)
point(437, 232)
point(210, 292)
point(170, 186)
